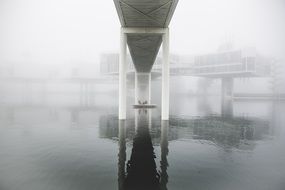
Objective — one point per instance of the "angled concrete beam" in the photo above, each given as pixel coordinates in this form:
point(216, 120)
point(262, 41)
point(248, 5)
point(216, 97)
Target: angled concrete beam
point(141, 13)
point(120, 13)
point(157, 9)
point(170, 12)
point(141, 30)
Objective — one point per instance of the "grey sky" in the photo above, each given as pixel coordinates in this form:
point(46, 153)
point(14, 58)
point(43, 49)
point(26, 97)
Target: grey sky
point(63, 31)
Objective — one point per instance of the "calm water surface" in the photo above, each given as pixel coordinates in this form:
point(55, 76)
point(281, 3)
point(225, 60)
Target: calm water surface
point(68, 143)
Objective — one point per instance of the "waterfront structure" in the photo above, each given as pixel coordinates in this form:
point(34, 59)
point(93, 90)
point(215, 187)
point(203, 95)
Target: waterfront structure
point(226, 65)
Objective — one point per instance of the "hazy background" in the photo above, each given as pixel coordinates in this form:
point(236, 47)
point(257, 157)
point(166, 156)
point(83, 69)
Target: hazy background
point(68, 31)
point(59, 124)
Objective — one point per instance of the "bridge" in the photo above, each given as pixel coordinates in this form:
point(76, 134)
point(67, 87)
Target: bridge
point(144, 29)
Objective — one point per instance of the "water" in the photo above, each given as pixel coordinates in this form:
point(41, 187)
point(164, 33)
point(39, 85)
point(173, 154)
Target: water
point(66, 142)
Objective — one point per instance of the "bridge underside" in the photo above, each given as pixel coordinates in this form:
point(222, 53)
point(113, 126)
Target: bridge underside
point(144, 14)
point(144, 29)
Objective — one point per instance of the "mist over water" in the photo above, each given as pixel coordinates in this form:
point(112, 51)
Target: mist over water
point(59, 126)
point(69, 142)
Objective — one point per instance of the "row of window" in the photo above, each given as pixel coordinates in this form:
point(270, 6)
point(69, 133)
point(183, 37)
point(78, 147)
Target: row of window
point(227, 68)
point(221, 58)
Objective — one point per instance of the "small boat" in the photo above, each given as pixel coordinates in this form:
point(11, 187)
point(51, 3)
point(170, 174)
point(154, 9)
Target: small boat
point(138, 106)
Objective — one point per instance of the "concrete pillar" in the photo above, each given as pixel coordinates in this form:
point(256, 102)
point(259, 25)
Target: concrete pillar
point(227, 88)
point(122, 76)
point(149, 88)
point(136, 88)
point(142, 87)
point(165, 77)
point(227, 97)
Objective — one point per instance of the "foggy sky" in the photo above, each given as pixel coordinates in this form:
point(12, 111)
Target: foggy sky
point(66, 31)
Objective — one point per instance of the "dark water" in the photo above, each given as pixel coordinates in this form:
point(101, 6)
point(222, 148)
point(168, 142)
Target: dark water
point(67, 143)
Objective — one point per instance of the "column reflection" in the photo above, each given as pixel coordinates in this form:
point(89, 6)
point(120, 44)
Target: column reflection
point(164, 154)
point(140, 171)
point(122, 154)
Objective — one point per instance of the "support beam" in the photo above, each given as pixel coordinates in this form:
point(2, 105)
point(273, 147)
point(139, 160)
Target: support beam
point(142, 30)
point(227, 88)
point(149, 88)
point(227, 97)
point(136, 88)
point(159, 8)
point(165, 72)
point(142, 87)
point(165, 77)
point(140, 12)
point(122, 76)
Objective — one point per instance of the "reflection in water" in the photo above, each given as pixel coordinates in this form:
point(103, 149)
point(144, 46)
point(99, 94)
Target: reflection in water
point(141, 168)
point(204, 106)
point(141, 172)
point(122, 154)
point(227, 132)
point(227, 107)
point(164, 153)
point(244, 150)
point(224, 131)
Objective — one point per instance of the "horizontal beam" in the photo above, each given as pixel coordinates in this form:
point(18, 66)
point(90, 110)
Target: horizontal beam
point(142, 30)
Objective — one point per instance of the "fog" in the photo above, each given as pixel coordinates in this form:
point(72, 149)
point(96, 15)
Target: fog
point(219, 126)
point(72, 38)
point(65, 31)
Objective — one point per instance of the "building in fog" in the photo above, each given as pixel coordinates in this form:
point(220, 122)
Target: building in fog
point(252, 74)
point(48, 71)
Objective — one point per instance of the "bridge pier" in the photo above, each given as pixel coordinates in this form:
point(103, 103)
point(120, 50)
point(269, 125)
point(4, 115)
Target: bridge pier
point(227, 97)
point(165, 72)
point(227, 88)
point(142, 87)
point(122, 75)
point(165, 77)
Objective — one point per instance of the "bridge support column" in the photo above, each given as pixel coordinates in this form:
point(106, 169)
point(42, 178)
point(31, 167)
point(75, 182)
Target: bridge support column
point(165, 77)
point(165, 70)
point(142, 88)
point(227, 97)
point(227, 88)
point(122, 76)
